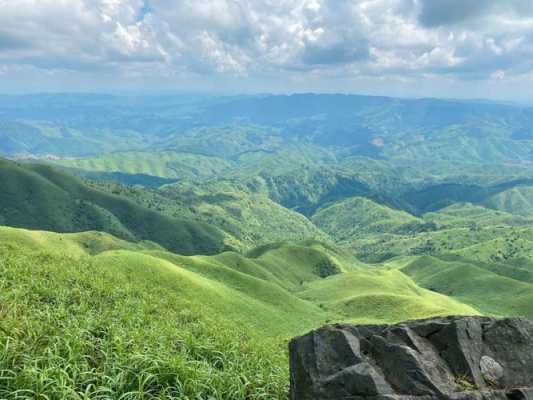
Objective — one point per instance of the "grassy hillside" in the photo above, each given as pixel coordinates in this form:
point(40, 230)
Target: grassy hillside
point(517, 200)
point(489, 291)
point(120, 326)
point(380, 296)
point(227, 283)
point(39, 197)
point(164, 164)
point(358, 217)
point(74, 245)
point(91, 316)
point(248, 218)
point(472, 215)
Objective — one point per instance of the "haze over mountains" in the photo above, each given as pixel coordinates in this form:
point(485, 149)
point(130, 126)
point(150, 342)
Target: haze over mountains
point(172, 244)
point(346, 125)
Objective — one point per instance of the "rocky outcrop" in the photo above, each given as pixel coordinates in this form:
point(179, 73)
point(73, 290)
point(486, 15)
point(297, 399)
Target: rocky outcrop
point(442, 358)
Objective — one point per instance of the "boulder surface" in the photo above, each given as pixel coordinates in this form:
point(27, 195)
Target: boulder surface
point(440, 358)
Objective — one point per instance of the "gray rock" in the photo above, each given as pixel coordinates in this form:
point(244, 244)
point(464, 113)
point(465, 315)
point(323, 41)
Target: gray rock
point(491, 370)
point(459, 358)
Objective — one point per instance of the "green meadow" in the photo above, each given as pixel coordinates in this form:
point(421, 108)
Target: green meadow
point(87, 315)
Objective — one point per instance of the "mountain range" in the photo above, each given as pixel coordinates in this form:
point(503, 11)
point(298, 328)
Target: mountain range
point(169, 246)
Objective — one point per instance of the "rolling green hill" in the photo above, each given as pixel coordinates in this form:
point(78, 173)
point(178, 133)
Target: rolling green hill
point(252, 218)
point(472, 242)
point(474, 284)
point(45, 137)
point(164, 164)
point(380, 296)
point(253, 290)
point(517, 200)
point(75, 245)
point(203, 232)
point(39, 197)
point(503, 194)
point(358, 217)
point(132, 325)
point(307, 189)
point(514, 244)
point(86, 314)
point(374, 225)
point(376, 232)
point(470, 215)
point(247, 218)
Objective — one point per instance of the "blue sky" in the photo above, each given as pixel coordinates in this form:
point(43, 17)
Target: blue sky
point(438, 48)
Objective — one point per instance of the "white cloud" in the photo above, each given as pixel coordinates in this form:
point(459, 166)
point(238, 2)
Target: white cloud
point(257, 39)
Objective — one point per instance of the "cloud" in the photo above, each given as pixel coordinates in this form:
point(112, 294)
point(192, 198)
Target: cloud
point(73, 33)
point(335, 50)
point(435, 13)
point(444, 12)
point(336, 37)
point(12, 41)
point(228, 34)
point(287, 41)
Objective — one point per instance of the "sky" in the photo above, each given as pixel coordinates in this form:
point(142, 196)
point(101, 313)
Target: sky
point(420, 48)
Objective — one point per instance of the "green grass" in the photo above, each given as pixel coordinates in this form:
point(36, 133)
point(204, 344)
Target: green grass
point(74, 244)
point(164, 164)
point(248, 219)
point(467, 215)
point(39, 197)
point(87, 329)
point(260, 305)
point(230, 284)
point(380, 296)
point(475, 284)
point(517, 200)
point(139, 324)
point(357, 217)
point(86, 315)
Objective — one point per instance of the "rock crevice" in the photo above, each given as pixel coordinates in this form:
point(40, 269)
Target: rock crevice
point(439, 358)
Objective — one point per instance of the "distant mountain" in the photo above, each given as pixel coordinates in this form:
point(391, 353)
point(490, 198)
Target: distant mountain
point(230, 133)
